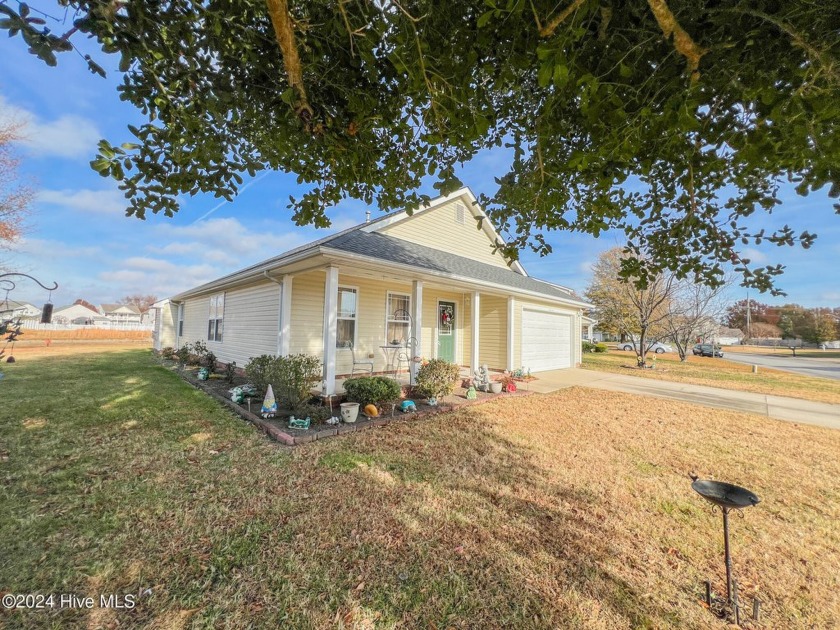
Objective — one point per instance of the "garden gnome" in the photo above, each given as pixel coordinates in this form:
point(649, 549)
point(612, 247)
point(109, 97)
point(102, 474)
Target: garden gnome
point(269, 406)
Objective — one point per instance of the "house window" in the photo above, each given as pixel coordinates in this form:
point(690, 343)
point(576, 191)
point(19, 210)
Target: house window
point(398, 322)
point(180, 320)
point(460, 213)
point(347, 305)
point(216, 321)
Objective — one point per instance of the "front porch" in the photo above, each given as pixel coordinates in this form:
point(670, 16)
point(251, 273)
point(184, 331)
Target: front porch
point(377, 323)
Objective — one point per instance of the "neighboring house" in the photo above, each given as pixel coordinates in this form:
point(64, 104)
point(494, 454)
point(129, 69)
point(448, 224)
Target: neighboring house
point(121, 313)
point(431, 280)
point(728, 336)
point(77, 314)
point(10, 309)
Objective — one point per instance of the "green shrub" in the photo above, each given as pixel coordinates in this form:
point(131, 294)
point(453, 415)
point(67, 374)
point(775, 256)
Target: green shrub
point(372, 390)
point(184, 353)
point(317, 414)
point(437, 378)
point(209, 361)
point(600, 347)
point(588, 346)
point(258, 371)
point(293, 377)
point(230, 372)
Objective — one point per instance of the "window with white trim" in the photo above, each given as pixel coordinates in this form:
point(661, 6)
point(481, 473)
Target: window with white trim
point(216, 319)
point(347, 309)
point(397, 322)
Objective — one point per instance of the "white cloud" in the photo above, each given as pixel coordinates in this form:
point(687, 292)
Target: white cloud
point(755, 256)
point(94, 201)
point(68, 136)
point(52, 250)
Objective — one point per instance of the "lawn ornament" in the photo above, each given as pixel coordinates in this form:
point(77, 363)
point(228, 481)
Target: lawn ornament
point(408, 406)
point(510, 386)
point(481, 379)
point(240, 393)
point(432, 402)
point(203, 374)
point(471, 395)
point(333, 421)
point(299, 423)
point(371, 411)
point(269, 406)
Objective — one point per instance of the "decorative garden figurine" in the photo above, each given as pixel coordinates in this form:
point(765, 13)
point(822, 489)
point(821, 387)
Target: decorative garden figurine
point(299, 423)
point(481, 380)
point(432, 402)
point(203, 374)
point(269, 406)
point(471, 395)
point(408, 406)
point(333, 421)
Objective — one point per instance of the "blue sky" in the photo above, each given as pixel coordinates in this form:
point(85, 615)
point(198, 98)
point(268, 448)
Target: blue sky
point(80, 237)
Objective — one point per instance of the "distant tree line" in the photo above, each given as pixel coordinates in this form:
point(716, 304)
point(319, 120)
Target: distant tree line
point(789, 321)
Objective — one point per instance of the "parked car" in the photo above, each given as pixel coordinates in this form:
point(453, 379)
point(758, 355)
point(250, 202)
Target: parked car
point(658, 348)
point(706, 350)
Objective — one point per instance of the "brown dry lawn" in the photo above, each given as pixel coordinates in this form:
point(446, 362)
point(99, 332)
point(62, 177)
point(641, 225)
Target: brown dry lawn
point(717, 372)
point(86, 334)
point(784, 351)
point(570, 510)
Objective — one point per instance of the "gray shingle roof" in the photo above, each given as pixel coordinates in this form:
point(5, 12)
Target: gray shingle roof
point(388, 248)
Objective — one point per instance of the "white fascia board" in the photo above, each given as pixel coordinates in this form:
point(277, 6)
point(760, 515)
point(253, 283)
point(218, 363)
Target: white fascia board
point(339, 256)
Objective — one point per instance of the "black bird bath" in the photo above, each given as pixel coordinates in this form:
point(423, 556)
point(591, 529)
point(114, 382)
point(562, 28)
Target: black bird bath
point(726, 496)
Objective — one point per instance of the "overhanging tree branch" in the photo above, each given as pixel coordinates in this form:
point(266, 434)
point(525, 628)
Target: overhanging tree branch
point(548, 29)
point(278, 11)
point(683, 42)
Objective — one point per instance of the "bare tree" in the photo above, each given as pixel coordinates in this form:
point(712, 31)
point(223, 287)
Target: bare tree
point(639, 314)
point(15, 196)
point(692, 311)
point(142, 302)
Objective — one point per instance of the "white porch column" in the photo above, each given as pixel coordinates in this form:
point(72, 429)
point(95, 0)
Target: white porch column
point(476, 307)
point(285, 329)
point(417, 318)
point(511, 307)
point(330, 327)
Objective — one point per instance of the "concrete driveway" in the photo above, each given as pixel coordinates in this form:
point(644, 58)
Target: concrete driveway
point(809, 366)
point(778, 407)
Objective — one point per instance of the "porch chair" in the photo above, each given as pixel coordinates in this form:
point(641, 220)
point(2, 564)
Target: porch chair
point(359, 364)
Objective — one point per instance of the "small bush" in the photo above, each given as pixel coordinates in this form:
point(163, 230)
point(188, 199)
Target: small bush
point(168, 353)
point(230, 372)
point(209, 361)
point(372, 390)
point(293, 377)
point(437, 378)
point(184, 353)
point(600, 347)
point(258, 371)
point(317, 414)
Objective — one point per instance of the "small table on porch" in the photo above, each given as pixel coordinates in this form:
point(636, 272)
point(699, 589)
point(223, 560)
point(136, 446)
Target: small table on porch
point(392, 353)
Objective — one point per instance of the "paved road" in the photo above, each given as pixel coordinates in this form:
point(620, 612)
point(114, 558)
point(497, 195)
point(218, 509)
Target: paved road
point(809, 366)
point(778, 407)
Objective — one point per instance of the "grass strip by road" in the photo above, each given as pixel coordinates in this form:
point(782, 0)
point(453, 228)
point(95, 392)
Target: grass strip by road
point(717, 372)
point(569, 510)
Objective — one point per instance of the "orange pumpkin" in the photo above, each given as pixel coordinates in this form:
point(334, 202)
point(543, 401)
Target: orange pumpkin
point(371, 410)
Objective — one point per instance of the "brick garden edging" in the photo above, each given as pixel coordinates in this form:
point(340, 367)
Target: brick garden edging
point(311, 435)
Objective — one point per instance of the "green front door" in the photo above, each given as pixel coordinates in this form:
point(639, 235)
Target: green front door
point(446, 331)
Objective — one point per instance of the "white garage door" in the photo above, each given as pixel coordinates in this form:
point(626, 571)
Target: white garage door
point(546, 340)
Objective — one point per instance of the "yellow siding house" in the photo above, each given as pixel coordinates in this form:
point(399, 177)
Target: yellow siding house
point(430, 284)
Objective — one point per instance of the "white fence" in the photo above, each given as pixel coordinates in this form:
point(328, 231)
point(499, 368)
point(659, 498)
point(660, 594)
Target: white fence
point(31, 325)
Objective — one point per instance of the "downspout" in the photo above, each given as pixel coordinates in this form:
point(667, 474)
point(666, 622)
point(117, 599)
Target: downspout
point(279, 283)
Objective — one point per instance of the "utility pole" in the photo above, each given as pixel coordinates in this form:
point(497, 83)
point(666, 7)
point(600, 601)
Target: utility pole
point(749, 336)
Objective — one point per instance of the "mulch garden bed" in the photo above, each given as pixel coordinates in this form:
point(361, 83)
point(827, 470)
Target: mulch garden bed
point(277, 428)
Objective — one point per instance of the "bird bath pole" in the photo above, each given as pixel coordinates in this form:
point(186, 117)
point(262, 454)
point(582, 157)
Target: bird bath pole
point(726, 496)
